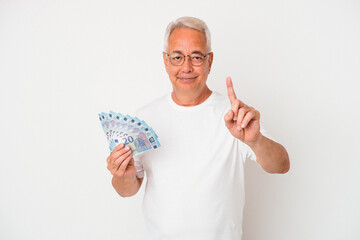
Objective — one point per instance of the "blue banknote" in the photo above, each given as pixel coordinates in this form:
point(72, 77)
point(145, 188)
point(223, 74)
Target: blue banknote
point(131, 131)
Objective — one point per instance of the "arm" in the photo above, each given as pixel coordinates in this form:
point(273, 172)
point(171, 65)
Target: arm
point(271, 156)
point(126, 188)
point(122, 167)
point(243, 123)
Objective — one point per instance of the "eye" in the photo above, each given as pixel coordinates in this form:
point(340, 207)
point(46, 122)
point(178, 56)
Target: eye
point(176, 58)
point(197, 57)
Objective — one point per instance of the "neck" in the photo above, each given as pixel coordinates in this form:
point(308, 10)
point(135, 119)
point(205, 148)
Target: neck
point(189, 99)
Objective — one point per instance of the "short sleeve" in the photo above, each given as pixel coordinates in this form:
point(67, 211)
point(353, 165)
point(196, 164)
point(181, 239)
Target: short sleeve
point(248, 153)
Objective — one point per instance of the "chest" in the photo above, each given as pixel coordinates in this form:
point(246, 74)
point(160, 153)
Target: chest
point(194, 139)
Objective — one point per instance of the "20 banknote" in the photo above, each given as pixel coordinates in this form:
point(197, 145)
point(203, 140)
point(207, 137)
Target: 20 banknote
point(129, 130)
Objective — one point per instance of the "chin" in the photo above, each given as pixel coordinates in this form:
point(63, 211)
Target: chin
point(186, 89)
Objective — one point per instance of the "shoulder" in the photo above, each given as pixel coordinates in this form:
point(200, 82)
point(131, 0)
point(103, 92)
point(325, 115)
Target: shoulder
point(155, 105)
point(220, 102)
point(220, 99)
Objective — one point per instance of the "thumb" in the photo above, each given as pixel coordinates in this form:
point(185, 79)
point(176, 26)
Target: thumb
point(229, 119)
point(132, 161)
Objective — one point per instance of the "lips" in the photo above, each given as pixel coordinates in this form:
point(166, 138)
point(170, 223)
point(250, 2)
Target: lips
point(186, 79)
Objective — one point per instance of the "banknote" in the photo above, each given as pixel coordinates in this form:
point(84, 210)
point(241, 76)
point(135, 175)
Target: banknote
point(131, 131)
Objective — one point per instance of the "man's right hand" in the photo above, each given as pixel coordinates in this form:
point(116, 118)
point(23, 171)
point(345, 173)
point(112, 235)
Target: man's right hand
point(122, 166)
point(121, 163)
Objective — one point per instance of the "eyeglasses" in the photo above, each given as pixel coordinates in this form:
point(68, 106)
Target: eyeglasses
point(196, 59)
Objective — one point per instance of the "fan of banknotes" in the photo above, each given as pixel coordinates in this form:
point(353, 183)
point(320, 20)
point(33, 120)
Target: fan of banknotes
point(131, 131)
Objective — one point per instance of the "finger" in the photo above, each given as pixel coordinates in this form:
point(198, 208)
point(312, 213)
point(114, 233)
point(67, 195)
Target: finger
point(235, 106)
point(252, 115)
point(116, 154)
point(230, 90)
point(114, 167)
point(132, 161)
point(124, 165)
point(121, 158)
point(242, 112)
point(229, 122)
point(118, 148)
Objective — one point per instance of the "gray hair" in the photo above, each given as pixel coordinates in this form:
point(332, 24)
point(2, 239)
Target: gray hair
point(188, 22)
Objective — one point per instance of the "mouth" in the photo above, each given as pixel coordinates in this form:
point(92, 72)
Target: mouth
point(186, 79)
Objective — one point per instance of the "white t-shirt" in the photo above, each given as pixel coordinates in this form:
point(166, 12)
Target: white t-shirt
point(195, 180)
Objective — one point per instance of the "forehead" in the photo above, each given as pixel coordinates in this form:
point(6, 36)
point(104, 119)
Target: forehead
point(186, 40)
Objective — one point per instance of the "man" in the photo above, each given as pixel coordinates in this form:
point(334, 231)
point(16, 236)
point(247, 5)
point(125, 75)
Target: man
point(195, 180)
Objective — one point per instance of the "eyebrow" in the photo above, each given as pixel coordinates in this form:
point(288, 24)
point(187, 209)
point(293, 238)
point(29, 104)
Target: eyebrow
point(194, 52)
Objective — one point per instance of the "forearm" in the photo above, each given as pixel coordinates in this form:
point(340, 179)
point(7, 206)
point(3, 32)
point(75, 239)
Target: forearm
point(126, 188)
point(271, 156)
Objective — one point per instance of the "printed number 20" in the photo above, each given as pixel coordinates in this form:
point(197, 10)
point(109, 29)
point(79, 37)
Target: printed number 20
point(128, 140)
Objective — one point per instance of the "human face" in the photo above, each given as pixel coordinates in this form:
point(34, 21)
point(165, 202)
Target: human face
point(188, 78)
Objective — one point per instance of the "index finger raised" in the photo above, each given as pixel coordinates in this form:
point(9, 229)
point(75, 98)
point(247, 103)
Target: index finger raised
point(230, 90)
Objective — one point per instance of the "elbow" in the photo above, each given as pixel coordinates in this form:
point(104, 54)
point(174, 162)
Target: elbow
point(285, 163)
point(281, 168)
point(285, 166)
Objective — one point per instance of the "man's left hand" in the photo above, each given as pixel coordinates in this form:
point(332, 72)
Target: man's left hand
point(242, 121)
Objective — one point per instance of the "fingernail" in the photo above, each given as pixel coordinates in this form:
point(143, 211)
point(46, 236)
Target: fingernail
point(234, 118)
point(127, 148)
point(238, 127)
point(229, 113)
point(243, 125)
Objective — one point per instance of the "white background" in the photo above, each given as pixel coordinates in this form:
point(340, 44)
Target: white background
point(62, 62)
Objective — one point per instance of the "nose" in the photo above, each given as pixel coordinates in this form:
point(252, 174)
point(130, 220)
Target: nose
point(187, 66)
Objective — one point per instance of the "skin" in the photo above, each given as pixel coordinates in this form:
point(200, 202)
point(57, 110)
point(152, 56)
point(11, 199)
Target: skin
point(188, 82)
point(121, 166)
point(190, 89)
point(243, 123)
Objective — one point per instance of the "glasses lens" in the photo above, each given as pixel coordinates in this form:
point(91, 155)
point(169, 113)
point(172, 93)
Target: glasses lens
point(177, 59)
point(196, 59)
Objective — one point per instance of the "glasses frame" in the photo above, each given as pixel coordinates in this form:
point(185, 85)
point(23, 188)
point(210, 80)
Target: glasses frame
point(168, 55)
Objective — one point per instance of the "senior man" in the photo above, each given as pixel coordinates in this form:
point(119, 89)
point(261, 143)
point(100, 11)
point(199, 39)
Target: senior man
point(195, 181)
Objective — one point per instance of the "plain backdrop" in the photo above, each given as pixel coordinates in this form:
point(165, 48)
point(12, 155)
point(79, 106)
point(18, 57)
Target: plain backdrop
point(62, 62)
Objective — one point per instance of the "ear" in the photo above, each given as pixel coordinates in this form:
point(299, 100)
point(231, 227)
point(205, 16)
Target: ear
point(166, 62)
point(210, 61)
